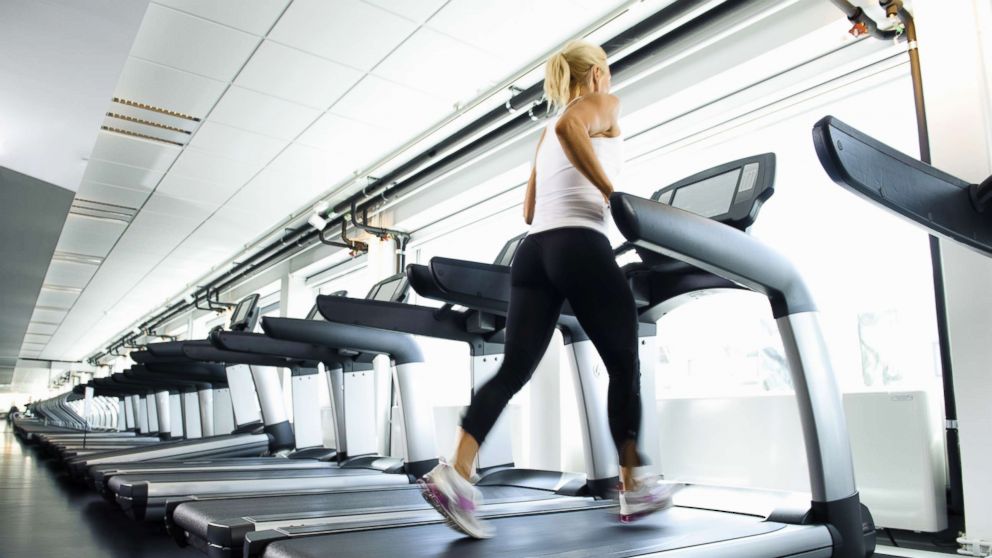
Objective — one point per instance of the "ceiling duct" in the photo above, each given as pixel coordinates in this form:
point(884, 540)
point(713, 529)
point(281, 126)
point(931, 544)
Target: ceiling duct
point(149, 122)
point(99, 210)
point(72, 257)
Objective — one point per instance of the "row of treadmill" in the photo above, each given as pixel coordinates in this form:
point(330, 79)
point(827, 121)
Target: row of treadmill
point(196, 433)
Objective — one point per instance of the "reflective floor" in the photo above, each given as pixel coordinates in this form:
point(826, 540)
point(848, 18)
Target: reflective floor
point(42, 514)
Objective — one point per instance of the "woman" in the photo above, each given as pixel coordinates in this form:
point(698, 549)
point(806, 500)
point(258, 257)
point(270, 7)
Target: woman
point(566, 256)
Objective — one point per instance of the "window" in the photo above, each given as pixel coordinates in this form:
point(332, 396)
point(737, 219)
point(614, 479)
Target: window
point(869, 272)
point(351, 275)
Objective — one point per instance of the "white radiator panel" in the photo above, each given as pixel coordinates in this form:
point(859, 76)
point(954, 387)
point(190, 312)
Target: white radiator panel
point(757, 442)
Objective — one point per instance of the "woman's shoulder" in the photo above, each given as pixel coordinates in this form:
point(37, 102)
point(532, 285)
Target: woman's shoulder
point(600, 100)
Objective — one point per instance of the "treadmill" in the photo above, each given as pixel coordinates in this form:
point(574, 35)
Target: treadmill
point(942, 204)
point(218, 526)
point(140, 380)
point(88, 441)
point(143, 495)
point(303, 360)
point(690, 241)
point(247, 439)
point(307, 441)
point(281, 437)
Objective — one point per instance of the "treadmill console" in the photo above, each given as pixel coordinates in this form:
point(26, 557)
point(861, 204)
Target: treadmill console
point(245, 314)
point(314, 313)
point(390, 289)
point(731, 193)
point(509, 250)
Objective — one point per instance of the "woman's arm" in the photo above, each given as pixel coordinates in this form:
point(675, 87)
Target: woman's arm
point(530, 198)
point(594, 115)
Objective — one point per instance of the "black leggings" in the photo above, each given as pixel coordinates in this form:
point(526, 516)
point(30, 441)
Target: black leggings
point(574, 264)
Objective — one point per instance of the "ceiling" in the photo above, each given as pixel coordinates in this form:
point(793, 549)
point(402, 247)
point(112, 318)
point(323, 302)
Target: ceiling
point(224, 122)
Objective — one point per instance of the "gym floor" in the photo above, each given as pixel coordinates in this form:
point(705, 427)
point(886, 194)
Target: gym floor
point(46, 515)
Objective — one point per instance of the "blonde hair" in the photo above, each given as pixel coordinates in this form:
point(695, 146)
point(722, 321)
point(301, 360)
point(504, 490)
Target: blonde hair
point(570, 67)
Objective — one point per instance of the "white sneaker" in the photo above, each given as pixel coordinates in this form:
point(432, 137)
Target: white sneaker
point(454, 498)
point(651, 496)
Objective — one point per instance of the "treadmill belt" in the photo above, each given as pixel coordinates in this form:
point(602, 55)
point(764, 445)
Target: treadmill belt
point(198, 518)
point(579, 533)
point(256, 474)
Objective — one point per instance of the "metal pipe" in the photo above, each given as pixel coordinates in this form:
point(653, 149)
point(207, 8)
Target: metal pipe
point(858, 17)
point(955, 500)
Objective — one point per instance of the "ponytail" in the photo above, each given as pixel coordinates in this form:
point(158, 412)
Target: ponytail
point(557, 81)
point(568, 68)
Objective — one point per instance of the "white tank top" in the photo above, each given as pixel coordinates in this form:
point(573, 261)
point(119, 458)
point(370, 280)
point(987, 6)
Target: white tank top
point(566, 198)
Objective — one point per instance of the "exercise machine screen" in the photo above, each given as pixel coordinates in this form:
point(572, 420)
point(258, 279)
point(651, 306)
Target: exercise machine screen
point(710, 197)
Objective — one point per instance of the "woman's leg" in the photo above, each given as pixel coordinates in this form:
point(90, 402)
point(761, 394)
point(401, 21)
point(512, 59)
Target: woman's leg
point(533, 313)
point(585, 270)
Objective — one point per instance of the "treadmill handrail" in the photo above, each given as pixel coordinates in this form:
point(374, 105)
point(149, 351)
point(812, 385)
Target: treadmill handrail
point(714, 247)
point(166, 349)
point(205, 351)
point(400, 346)
point(396, 316)
point(911, 189)
point(262, 344)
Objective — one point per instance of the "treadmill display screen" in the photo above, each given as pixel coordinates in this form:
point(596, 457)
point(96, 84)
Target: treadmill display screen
point(241, 312)
point(506, 255)
point(710, 197)
point(386, 291)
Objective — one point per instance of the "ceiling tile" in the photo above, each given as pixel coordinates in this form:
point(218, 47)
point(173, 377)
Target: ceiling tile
point(168, 88)
point(158, 234)
point(44, 329)
point(202, 165)
point(56, 298)
point(346, 31)
point(196, 190)
point(89, 235)
point(387, 104)
point(263, 114)
point(106, 193)
point(33, 338)
point(417, 10)
point(350, 140)
point(300, 174)
point(181, 208)
point(253, 16)
point(514, 30)
point(297, 76)
point(270, 195)
point(47, 316)
point(125, 176)
point(69, 274)
point(192, 44)
point(135, 152)
point(236, 144)
point(426, 60)
point(213, 241)
point(313, 166)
